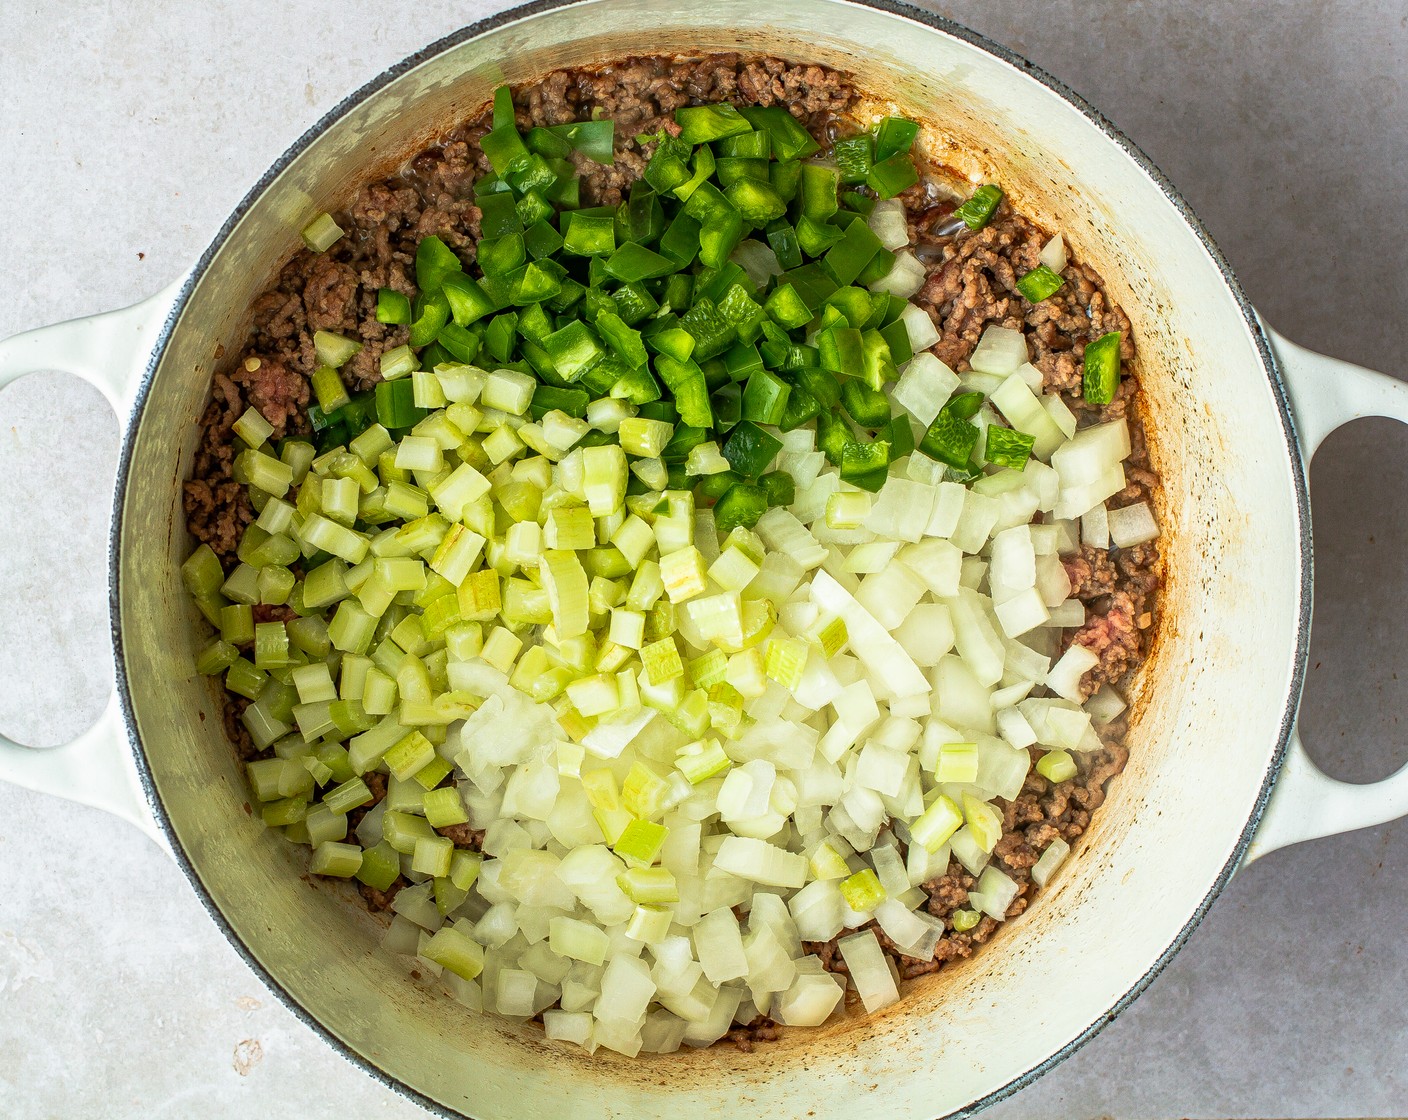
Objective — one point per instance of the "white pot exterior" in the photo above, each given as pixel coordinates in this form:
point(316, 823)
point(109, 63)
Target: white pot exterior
point(1214, 708)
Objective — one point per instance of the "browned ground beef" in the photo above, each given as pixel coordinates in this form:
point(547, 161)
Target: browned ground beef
point(971, 285)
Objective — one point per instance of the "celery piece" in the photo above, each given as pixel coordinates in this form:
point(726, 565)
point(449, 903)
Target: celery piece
point(381, 866)
point(243, 679)
point(321, 233)
point(701, 760)
point(324, 825)
point(351, 794)
point(456, 951)
point(432, 856)
point(1056, 766)
point(649, 924)
point(862, 891)
point(402, 830)
point(964, 920)
point(237, 624)
point(431, 775)
point(649, 885)
point(594, 695)
point(216, 658)
point(287, 811)
point(784, 661)
point(983, 820)
point(409, 755)
point(202, 573)
point(684, 574)
point(936, 824)
point(443, 807)
point(501, 647)
point(253, 428)
point(566, 585)
point(640, 842)
point(464, 868)
point(957, 762)
point(336, 859)
point(662, 661)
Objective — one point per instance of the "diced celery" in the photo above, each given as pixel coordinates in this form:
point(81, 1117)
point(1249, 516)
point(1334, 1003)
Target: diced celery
point(336, 859)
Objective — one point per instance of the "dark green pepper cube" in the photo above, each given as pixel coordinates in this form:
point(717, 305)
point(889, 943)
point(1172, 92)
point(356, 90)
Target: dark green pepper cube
point(787, 308)
point(780, 488)
point(865, 461)
point(535, 323)
point(786, 178)
point(894, 135)
point(634, 303)
point(854, 157)
point(434, 261)
point(393, 307)
point(841, 350)
point(749, 449)
point(588, 236)
point(900, 435)
point(430, 314)
point(498, 215)
point(640, 388)
point(950, 438)
point(715, 486)
point(532, 173)
point(756, 201)
point(816, 236)
point(801, 408)
point(980, 207)
point(790, 140)
point(623, 339)
point(893, 176)
point(1100, 377)
point(741, 360)
point(701, 124)
point(549, 398)
point(867, 407)
point(1008, 448)
point(742, 505)
point(541, 240)
point(730, 170)
point(546, 144)
point(501, 255)
point(783, 239)
point(680, 241)
point(818, 191)
point(833, 435)
point(500, 336)
point(459, 342)
point(669, 164)
point(633, 263)
point(820, 383)
point(744, 145)
point(686, 381)
point(846, 260)
point(574, 349)
point(765, 398)
point(813, 283)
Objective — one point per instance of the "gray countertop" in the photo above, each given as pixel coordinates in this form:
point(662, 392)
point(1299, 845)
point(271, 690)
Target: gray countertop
point(130, 130)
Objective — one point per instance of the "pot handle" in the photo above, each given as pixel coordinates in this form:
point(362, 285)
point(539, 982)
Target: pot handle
point(1306, 803)
point(111, 352)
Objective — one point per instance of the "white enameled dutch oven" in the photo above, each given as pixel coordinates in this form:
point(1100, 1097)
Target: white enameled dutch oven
point(1236, 412)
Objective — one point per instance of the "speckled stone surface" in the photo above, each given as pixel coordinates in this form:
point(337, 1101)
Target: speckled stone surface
point(130, 130)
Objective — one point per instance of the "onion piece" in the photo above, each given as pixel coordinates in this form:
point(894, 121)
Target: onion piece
point(1131, 525)
point(869, 970)
point(1053, 254)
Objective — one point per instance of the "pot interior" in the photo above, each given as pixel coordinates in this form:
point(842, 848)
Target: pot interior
point(1209, 708)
